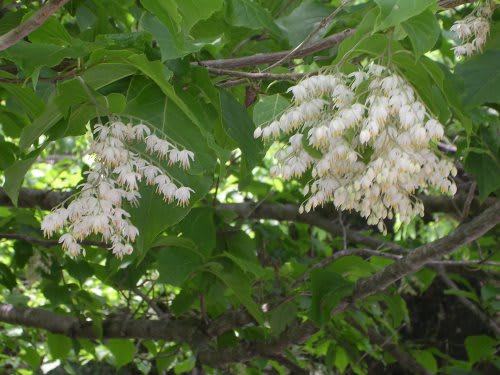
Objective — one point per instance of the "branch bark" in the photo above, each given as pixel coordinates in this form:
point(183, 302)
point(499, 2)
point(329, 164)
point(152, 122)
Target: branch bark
point(409, 264)
point(185, 330)
point(15, 35)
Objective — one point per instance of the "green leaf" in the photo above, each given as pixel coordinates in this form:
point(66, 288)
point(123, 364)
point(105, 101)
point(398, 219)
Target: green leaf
point(426, 359)
point(59, 345)
point(167, 11)
point(397, 308)
point(281, 317)
point(183, 301)
point(172, 44)
point(175, 264)
point(153, 215)
point(31, 357)
point(194, 11)
point(480, 347)
point(486, 171)
point(249, 14)
point(302, 20)
point(268, 108)
point(328, 289)
point(174, 241)
point(240, 285)
point(423, 31)
point(8, 152)
point(240, 127)
point(51, 32)
point(123, 351)
point(199, 226)
point(14, 176)
point(103, 74)
point(29, 101)
point(481, 76)
point(394, 12)
point(31, 56)
point(7, 278)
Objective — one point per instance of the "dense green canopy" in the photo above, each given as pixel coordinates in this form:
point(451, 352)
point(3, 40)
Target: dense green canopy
point(231, 255)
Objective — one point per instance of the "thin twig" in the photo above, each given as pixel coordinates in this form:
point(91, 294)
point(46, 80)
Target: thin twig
point(159, 312)
point(257, 76)
point(468, 303)
point(468, 200)
point(34, 22)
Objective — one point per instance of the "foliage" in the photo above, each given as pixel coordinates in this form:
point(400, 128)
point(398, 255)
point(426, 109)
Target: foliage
point(238, 281)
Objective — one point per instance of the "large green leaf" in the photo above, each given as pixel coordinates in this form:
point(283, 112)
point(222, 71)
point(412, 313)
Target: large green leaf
point(194, 11)
point(240, 127)
point(268, 108)
point(33, 56)
point(14, 176)
point(481, 75)
point(172, 44)
point(175, 264)
point(249, 14)
point(59, 345)
point(153, 215)
point(123, 351)
point(29, 101)
point(486, 171)
point(328, 289)
point(51, 32)
point(394, 12)
point(199, 226)
point(423, 31)
point(303, 19)
point(480, 347)
point(236, 281)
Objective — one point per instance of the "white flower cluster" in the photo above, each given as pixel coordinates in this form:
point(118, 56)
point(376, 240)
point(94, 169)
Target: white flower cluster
point(366, 139)
point(113, 179)
point(473, 30)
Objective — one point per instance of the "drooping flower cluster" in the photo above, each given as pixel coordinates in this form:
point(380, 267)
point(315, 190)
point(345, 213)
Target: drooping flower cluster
point(114, 179)
point(366, 138)
point(473, 30)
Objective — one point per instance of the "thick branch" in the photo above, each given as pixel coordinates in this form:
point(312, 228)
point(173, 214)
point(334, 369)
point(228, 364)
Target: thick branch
point(15, 35)
point(171, 330)
point(409, 264)
point(31, 198)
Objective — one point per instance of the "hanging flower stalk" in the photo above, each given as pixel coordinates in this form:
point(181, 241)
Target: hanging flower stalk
point(367, 140)
point(473, 30)
point(114, 179)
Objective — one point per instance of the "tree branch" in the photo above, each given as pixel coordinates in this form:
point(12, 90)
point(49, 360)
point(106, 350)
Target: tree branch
point(267, 58)
point(321, 45)
point(181, 330)
point(495, 328)
point(15, 35)
point(414, 261)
